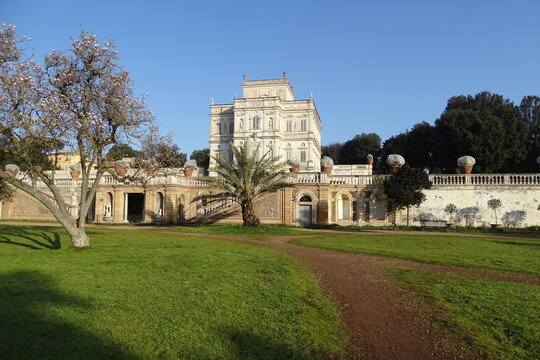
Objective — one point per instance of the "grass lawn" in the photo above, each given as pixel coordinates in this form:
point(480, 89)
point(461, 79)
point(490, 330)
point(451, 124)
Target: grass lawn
point(499, 318)
point(262, 231)
point(508, 254)
point(145, 295)
point(459, 229)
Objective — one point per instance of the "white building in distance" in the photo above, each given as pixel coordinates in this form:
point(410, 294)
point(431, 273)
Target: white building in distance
point(270, 118)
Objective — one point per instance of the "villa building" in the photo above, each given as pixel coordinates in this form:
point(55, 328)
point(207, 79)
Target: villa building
point(272, 120)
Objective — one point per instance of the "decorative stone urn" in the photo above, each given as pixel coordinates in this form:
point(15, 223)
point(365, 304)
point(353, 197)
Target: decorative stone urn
point(395, 161)
point(326, 165)
point(466, 164)
point(295, 166)
point(189, 167)
point(370, 159)
point(121, 167)
point(12, 170)
point(75, 170)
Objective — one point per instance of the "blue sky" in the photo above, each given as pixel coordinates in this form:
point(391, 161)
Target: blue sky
point(373, 66)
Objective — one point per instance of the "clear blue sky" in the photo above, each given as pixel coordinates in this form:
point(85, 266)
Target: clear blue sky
point(373, 66)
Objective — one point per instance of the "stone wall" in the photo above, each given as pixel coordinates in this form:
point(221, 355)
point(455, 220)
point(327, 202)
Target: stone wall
point(471, 202)
point(342, 199)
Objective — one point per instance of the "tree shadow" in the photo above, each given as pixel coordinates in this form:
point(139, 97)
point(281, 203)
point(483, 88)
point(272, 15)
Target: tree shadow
point(518, 243)
point(32, 324)
point(33, 239)
point(253, 346)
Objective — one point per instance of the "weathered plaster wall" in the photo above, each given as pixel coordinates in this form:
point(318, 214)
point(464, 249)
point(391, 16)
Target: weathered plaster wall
point(472, 205)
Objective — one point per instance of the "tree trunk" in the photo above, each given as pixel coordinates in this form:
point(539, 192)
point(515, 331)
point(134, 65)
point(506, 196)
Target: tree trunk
point(407, 216)
point(248, 215)
point(78, 236)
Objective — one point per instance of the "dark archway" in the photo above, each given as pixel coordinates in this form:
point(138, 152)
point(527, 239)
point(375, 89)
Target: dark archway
point(135, 207)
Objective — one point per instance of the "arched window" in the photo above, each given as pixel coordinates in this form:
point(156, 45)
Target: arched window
point(160, 205)
point(305, 198)
point(343, 208)
point(108, 205)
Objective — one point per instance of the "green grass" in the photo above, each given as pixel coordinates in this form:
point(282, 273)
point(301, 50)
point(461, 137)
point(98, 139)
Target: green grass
point(145, 295)
point(500, 319)
point(534, 230)
point(264, 230)
point(507, 254)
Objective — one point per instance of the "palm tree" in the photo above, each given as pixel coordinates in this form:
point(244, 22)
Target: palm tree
point(245, 179)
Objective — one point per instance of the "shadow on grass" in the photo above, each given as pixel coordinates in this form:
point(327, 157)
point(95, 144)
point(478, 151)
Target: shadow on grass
point(30, 238)
point(518, 243)
point(31, 329)
point(252, 346)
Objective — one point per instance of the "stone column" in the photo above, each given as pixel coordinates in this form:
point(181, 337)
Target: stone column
point(323, 208)
point(287, 206)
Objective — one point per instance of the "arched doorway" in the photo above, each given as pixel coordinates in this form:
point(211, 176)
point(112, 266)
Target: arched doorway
point(305, 209)
point(181, 209)
point(160, 206)
point(344, 207)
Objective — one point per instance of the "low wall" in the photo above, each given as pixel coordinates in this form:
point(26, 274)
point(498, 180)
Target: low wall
point(520, 205)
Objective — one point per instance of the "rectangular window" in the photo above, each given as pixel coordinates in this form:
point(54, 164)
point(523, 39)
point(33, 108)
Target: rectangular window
point(231, 127)
point(288, 155)
point(289, 125)
point(302, 156)
point(231, 156)
point(303, 125)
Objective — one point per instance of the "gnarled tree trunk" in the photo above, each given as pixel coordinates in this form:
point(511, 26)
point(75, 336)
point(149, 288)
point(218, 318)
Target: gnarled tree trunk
point(248, 215)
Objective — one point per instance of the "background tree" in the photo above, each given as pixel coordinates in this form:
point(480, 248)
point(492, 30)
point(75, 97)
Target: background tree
point(159, 151)
point(451, 209)
point(119, 151)
point(486, 127)
point(404, 188)
point(84, 99)
point(202, 157)
point(416, 145)
point(245, 180)
point(494, 204)
point(530, 113)
point(333, 151)
point(357, 149)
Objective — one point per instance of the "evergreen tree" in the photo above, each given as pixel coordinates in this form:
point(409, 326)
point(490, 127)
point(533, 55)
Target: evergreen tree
point(404, 188)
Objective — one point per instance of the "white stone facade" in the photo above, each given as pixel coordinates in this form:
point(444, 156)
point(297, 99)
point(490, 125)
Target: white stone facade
point(269, 117)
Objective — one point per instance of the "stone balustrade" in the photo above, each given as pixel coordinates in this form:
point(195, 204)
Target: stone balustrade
point(438, 180)
point(485, 179)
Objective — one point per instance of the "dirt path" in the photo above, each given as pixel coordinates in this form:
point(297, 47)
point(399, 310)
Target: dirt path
point(383, 320)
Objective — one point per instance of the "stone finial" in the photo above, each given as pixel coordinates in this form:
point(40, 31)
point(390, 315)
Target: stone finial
point(75, 167)
point(395, 160)
point(245, 77)
point(12, 169)
point(191, 165)
point(295, 164)
point(311, 95)
point(466, 161)
point(211, 101)
point(465, 164)
point(369, 159)
point(285, 74)
point(122, 164)
point(327, 162)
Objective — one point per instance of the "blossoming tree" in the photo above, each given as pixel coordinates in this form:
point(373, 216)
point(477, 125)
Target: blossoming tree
point(80, 99)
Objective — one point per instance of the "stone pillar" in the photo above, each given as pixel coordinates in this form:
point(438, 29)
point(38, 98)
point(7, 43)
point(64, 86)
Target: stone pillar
point(323, 208)
point(287, 206)
point(149, 206)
